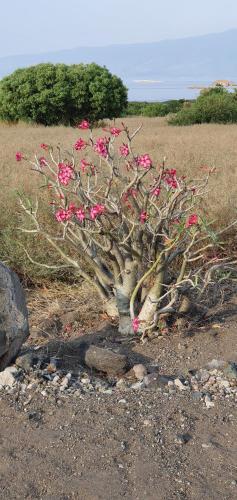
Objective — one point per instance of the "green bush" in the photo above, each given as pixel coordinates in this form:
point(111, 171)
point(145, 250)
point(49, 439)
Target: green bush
point(215, 105)
point(59, 94)
point(152, 109)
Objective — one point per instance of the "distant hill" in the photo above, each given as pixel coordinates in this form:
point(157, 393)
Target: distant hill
point(207, 57)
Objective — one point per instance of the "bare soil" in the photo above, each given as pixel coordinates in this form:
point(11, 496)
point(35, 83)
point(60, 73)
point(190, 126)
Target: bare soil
point(126, 444)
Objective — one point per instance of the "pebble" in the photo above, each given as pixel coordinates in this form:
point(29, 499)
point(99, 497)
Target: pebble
point(215, 381)
point(7, 376)
point(180, 385)
point(183, 438)
point(140, 371)
point(208, 402)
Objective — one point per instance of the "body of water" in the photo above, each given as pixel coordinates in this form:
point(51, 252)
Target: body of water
point(163, 90)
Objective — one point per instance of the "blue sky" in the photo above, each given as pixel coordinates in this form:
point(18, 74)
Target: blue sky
point(34, 26)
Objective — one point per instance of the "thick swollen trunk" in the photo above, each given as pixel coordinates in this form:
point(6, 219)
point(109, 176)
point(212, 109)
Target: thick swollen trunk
point(123, 296)
point(148, 312)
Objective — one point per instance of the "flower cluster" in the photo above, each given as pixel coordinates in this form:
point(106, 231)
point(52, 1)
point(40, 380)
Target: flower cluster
point(144, 161)
point(170, 178)
point(96, 210)
point(101, 146)
point(80, 214)
point(143, 217)
point(124, 150)
point(80, 144)
point(42, 161)
point(84, 125)
point(63, 215)
point(65, 173)
point(192, 220)
point(115, 131)
point(19, 156)
point(155, 191)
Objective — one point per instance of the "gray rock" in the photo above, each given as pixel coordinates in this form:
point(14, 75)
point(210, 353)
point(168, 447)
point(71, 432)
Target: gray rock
point(14, 328)
point(25, 361)
point(230, 371)
point(202, 375)
point(183, 438)
point(197, 395)
point(215, 364)
point(7, 376)
point(179, 384)
point(156, 381)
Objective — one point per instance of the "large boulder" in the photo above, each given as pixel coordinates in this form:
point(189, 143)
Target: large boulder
point(14, 327)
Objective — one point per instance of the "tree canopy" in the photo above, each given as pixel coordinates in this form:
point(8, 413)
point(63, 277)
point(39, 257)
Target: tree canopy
point(53, 94)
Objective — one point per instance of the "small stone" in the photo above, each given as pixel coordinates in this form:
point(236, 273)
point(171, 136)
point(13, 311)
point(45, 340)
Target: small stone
point(140, 371)
point(206, 445)
point(202, 375)
point(183, 438)
point(234, 483)
point(7, 377)
point(224, 383)
point(121, 384)
point(35, 416)
point(25, 361)
point(85, 380)
point(55, 380)
point(180, 385)
point(137, 385)
point(231, 371)
point(208, 402)
point(65, 382)
point(156, 381)
point(147, 423)
point(197, 396)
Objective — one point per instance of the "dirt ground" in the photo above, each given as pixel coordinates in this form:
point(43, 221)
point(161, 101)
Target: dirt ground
point(126, 444)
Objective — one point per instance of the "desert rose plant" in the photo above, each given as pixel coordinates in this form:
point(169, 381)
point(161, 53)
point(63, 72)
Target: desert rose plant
point(132, 228)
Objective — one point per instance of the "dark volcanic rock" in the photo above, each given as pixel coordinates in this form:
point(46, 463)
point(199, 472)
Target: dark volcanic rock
point(14, 328)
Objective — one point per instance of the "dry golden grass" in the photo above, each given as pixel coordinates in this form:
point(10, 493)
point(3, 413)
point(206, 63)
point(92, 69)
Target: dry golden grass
point(186, 148)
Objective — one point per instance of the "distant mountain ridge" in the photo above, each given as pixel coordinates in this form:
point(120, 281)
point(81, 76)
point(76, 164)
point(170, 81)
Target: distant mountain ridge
point(206, 57)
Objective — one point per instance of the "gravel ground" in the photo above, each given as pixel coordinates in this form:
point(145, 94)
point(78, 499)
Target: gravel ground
point(98, 440)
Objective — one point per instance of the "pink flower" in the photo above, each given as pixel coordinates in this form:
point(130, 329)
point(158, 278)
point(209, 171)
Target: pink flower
point(143, 217)
point(97, 210)
point(135, 324)
point(44, 146)
point(63, 215)
point(155, 191)
point(144, 161)
point(115, 131)
point(42, 161)
point(84, 125)
point(65, 173)
point(124, 150)
point(19, 156)
point(101, 146)
point(169, 176)
point(80, 144)
point(192, 220)
point(80, 214)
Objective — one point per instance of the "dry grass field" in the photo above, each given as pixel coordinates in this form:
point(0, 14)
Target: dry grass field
point(189, 149)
